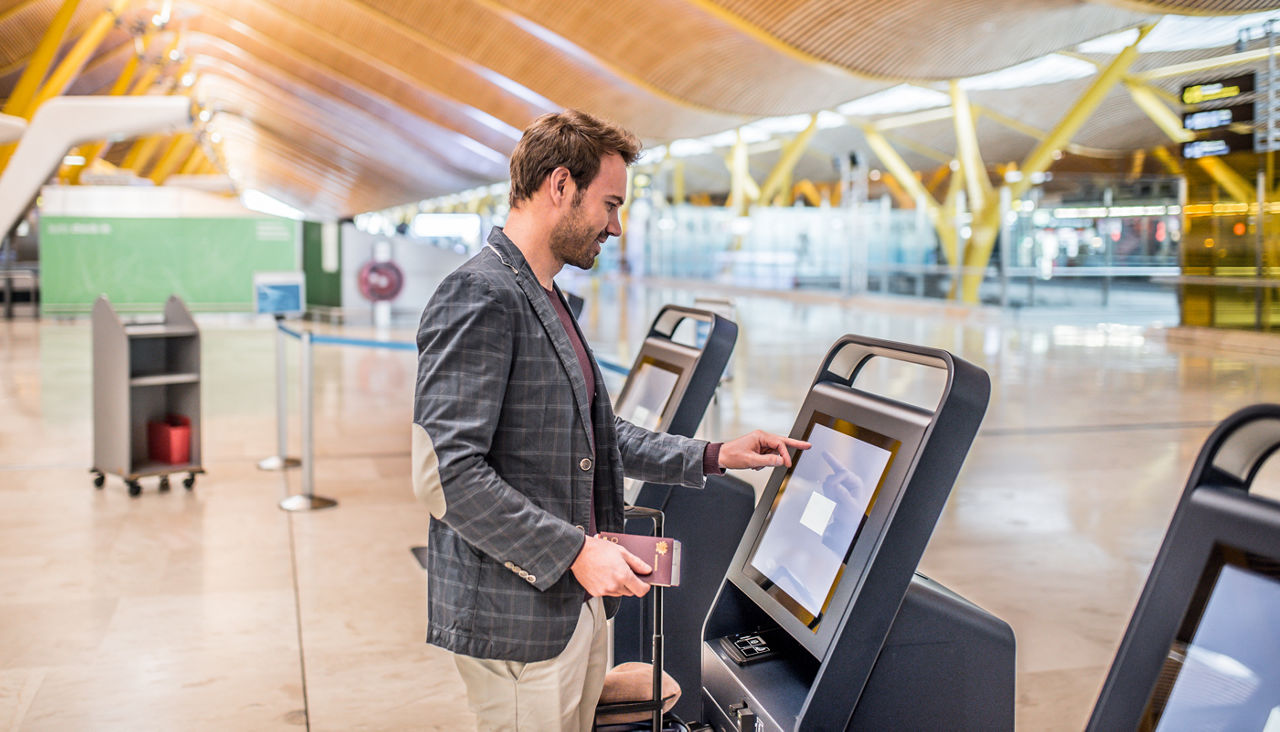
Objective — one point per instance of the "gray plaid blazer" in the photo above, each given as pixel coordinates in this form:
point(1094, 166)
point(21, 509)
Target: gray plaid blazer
point(504, 460)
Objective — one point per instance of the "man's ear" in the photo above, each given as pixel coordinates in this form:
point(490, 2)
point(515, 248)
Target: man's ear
point(560, 180)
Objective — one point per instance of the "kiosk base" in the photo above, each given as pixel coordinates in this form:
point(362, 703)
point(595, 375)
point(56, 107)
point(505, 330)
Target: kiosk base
point(946, 664)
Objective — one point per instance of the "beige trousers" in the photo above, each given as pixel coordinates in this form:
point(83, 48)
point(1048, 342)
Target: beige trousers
point(556, 694)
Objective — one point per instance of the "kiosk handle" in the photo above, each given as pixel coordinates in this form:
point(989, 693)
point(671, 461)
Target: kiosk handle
point(849, 354)
point(671, 316)
point(1236, 450)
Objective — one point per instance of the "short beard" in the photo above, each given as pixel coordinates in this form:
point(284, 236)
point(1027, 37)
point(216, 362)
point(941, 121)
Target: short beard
point(572, 239)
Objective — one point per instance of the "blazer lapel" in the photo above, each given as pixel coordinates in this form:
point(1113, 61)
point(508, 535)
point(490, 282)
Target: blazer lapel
point(537, 297)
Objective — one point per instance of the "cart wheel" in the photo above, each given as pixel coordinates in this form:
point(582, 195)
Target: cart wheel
point(135, 487)
point(189, 482)
point(164, 484)
point(98, 480)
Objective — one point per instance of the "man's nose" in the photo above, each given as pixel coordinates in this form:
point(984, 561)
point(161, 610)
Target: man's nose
point(615, 225)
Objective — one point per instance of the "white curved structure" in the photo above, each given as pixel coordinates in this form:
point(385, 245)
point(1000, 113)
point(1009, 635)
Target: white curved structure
point(11, 128)
point(65, 122)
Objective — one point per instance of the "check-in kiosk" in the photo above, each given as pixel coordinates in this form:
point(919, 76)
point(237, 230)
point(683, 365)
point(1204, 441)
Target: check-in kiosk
point(1202, 651)
point(668, 390)
point(821, 622)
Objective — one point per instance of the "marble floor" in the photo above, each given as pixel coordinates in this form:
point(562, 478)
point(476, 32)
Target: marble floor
point(213, 609)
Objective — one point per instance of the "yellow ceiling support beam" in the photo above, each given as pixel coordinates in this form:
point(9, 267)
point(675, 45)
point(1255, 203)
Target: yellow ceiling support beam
point(1137, 164)
point(1208, 64)
point(148, 78)
point(173, 156)
point(896, 190)
point(1040, 158)
point(809, 191)
point(985, 226)
point(913, 119)
point(938, 176)
point(922, 150)
point(677, 183)
point(1232, 182)
point(941, 218)
point(742, 187)
point(977, 182)
point(20, 100)
point(194, 162)
point(778, 181)
point(1169, 161)
point(141, 153)
point(93, 151)
point(79, 54)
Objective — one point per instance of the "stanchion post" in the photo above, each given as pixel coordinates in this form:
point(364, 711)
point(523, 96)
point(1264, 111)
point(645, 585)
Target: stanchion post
point(280, 460)
point(307, 500)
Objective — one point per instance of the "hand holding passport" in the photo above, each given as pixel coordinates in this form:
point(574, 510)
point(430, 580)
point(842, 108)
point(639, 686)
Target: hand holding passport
point(659, 552)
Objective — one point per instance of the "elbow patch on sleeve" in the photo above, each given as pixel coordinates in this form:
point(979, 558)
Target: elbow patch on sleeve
point(426, 473)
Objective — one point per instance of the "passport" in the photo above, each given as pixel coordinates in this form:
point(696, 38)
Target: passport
point(659, 552)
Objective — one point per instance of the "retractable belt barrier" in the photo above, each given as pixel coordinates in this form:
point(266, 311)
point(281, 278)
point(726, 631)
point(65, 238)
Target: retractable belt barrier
point(307, 500)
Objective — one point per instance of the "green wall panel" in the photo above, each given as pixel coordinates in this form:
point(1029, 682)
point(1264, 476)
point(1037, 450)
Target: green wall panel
point(323, 288)
point(138, 263)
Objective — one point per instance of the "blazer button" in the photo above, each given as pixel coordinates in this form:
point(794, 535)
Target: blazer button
point(531, 579)
point(508, 565)
point(524, 574)
point(585, 464)
point(580, 527)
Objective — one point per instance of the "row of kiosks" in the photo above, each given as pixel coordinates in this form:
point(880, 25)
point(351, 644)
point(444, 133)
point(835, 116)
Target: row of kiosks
point(804, 611)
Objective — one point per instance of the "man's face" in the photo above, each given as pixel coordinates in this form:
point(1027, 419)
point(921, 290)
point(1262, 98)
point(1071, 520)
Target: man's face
point(592, 216)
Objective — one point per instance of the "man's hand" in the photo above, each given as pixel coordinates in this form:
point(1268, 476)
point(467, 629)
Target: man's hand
point(759, 450)
point(604, 568)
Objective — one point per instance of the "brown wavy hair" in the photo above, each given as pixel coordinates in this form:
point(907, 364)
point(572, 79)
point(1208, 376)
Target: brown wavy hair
point(573, 139)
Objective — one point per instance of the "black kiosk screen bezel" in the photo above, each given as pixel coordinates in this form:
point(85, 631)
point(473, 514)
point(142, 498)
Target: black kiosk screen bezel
point(1213, 524)
point(665, 356)
point(900, 423)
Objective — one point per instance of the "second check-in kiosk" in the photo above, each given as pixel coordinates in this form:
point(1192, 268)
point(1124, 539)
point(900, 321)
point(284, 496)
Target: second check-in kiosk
point(669, 388)
point(821, 621)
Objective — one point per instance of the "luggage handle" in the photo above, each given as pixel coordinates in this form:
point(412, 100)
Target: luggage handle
point(1237, 448)
point(851, 353)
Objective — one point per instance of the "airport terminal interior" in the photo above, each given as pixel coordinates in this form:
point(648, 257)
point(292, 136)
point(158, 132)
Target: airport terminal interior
point(1011, 263)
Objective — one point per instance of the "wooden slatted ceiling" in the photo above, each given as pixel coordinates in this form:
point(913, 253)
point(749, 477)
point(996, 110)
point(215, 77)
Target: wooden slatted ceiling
point(926, 39)
point(1195, 7)
point(377, 102)
point(693, 55)
point(509, 54)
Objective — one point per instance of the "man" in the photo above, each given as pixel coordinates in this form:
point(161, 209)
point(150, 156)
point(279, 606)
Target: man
point(517, 452)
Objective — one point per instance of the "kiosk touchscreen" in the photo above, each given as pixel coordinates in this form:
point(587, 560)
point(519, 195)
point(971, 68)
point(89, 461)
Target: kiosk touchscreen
point(821, 621)
point(1203, 648)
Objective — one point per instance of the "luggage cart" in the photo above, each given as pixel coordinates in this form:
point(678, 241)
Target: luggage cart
point(143, 373)
point(655, 703)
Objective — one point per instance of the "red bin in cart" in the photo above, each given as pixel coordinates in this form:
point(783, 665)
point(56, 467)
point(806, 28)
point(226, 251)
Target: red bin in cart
point(169, 440)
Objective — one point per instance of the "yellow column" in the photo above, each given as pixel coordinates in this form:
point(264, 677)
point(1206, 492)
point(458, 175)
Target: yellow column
point(978, 184)
point(177, 151)
point(19, 102)
point(941, 219)
point(986, 222)
point(774, 184)
point(75, 59)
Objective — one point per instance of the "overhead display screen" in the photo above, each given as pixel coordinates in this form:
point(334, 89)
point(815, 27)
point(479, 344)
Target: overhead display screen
point(647, 393)
point(820, 509)
point(1223, 671)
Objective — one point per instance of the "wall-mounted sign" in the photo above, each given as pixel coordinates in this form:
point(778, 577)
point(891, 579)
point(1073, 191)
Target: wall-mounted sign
point(1219, 89)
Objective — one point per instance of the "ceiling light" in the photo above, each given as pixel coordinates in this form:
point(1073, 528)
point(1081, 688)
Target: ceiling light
point(895, 100)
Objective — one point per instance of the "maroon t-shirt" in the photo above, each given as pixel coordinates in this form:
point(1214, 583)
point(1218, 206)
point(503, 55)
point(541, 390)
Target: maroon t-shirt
point(566, 319)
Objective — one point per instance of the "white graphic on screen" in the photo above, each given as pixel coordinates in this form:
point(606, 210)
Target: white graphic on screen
point(1230, 675)
point(818, 515)
point(647, 396)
